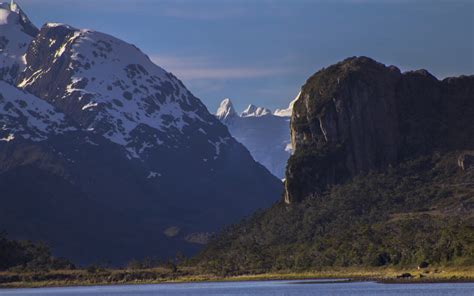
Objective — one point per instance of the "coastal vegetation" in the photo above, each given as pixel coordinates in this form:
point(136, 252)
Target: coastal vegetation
point(26, 256)
point(413, 213)
point(84, 277)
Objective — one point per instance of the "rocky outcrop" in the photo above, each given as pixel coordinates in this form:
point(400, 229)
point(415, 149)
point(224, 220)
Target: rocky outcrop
point(360, 115)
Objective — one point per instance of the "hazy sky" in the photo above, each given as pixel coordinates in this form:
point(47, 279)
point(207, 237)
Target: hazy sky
point(261, 52)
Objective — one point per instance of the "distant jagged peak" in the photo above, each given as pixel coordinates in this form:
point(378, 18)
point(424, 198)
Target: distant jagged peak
point(226, 110)
point(254, 111)
point(287, 112)
point(11, 14)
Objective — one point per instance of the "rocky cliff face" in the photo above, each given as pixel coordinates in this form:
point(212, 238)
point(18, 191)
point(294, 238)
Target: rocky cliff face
point(359, 115)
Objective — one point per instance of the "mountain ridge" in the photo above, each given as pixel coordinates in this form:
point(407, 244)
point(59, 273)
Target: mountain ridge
point(265, 134)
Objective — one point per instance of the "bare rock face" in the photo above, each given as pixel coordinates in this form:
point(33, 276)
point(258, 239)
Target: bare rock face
point(360, 115)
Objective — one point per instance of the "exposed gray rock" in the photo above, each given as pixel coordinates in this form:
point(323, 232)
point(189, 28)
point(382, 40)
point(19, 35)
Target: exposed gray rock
point(360, 115)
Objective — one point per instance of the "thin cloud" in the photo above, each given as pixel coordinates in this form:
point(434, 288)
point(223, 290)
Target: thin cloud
point(190, 68)
point(206, 14)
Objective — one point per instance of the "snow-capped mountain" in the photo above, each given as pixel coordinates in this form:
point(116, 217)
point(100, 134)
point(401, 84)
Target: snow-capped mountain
point(254, 111)
point(110, 86)
point(287, 112)
point(265, 134)
point(16, 32)
point(102, 134)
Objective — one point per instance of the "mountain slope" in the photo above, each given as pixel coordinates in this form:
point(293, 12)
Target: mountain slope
point(67, 172)
point(117, 152)
point(382, 174)
point(267, 136)
point(27, 116)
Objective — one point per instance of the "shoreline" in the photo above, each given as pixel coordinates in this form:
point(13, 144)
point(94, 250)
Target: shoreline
point(82, 278)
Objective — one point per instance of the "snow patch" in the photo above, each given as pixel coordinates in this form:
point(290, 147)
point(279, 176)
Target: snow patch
point(4, 16)
point(89, 105)
point(54, 25)
point(152, 175)
point(62, 49)
point(9, 138)
point(26, 116)
point(287, 112)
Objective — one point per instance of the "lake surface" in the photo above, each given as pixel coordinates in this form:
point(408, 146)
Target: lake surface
point(261, 288)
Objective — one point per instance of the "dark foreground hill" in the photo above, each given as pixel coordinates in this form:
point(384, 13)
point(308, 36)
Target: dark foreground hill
point(382, 174)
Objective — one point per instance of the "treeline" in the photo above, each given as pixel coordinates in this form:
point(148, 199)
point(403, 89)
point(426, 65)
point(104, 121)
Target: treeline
point(27, 256)
point(22, 255)
point(421, 211)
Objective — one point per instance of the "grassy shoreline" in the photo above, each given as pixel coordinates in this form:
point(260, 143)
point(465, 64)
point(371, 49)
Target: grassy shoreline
point(67, 278)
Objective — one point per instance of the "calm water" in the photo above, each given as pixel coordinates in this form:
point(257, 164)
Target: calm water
point(269, 288)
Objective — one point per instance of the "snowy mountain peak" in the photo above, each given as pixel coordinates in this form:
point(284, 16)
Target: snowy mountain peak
point(110, 86)
point(287, 112)
point(266, 136)
point(254, 111)
point(226, 110)
point(11, 13)
point(16, 32)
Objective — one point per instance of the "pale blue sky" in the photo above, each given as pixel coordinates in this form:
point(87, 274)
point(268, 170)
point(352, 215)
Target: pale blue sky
point(261, 52)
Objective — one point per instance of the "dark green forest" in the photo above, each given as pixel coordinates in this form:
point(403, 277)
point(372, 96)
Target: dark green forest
point(418, 211)
point(22, 255)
